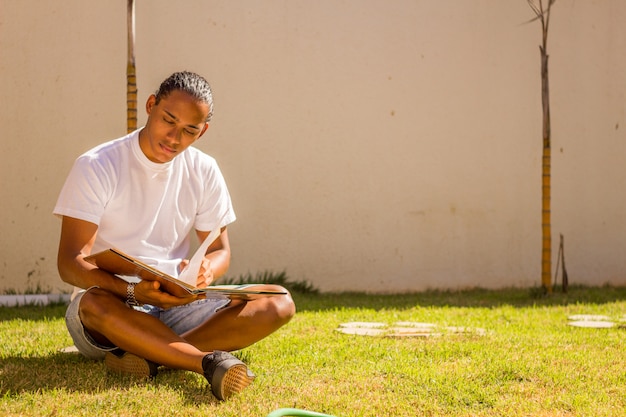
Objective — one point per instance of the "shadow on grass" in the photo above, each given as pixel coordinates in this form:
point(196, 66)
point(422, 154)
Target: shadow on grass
point(33, 312)
point(474, 298)
point(73, 373)
point(481, 298)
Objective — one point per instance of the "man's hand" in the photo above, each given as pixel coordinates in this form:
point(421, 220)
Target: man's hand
point(216, 260)
point(205, 274)
point(149, 292)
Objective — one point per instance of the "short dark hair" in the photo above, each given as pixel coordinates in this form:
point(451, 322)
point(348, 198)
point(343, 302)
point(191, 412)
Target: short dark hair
point(191, 83)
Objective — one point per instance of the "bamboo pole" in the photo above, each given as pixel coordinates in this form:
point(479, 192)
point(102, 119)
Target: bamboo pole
point(543, 15)
point(546, 188)
point(131, 78)
point(546, 226)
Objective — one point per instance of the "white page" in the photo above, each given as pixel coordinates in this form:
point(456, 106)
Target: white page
point(190, 273)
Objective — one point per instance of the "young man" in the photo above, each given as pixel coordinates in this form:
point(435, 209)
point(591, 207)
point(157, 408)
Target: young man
point(143, 194)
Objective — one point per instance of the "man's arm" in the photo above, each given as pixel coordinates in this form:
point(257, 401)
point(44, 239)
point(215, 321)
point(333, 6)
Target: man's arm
point(217, 258)
point(77, 239)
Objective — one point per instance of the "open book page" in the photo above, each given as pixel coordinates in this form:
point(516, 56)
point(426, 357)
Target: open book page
point(189, 275)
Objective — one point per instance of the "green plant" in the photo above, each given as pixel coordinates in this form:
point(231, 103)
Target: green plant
point(268, 277)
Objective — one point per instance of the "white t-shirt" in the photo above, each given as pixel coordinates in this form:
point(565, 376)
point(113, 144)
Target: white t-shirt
point(143, 208)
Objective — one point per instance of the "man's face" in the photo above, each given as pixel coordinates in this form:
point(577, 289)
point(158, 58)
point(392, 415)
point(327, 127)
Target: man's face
point(173, 124)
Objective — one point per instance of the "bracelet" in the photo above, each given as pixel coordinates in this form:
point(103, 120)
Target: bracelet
point(130, 295)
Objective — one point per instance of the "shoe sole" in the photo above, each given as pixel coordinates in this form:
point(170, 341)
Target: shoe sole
point(129, 364)
point(230, 380)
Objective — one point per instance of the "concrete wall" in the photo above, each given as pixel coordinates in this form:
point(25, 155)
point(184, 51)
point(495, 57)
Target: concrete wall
point(370, 145)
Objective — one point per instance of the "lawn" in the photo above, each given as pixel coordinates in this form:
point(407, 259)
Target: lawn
point(519, 357)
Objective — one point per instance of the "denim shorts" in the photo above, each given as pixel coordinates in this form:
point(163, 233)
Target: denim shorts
point(180, 319)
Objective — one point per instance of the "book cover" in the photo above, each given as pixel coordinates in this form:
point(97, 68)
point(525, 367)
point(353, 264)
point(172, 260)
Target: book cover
point(117, 262)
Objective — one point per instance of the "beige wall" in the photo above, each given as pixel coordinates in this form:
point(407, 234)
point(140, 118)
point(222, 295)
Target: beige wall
point(374, 145)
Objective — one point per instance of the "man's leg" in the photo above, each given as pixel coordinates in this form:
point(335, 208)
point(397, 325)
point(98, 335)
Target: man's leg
point(243, 323)
point(110, 321)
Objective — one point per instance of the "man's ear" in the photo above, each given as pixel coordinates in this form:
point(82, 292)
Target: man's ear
point(150, 103)
point(206, 126)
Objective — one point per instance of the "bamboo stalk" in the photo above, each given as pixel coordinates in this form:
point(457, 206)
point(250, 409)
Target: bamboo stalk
point(546, 189)
point(546, 166)
point(546, 225)
point(131, 77)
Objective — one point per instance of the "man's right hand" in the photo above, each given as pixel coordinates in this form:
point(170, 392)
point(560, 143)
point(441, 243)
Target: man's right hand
point(149, 292)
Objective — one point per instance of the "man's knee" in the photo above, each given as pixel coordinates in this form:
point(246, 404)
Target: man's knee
point(282, 306)
point(96, 304)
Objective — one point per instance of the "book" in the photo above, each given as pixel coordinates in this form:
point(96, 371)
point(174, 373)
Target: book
point(117, 262)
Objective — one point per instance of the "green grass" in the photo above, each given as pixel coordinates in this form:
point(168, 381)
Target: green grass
point(529, 363)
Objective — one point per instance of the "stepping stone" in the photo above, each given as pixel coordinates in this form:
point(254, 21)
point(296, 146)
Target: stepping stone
point(363, 324)
point(593, 321)
point(467, 330)
point(403, 329)
point(69, 349)
point(592, 324)
point(399, 329)
point(588, 317)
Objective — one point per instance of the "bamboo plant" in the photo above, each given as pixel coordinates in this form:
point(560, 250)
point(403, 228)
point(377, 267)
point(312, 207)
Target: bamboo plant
point(131, 78)
point(543, 15)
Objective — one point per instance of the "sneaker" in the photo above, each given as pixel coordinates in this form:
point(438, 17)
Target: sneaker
point(122, 362)
point(226, 374)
